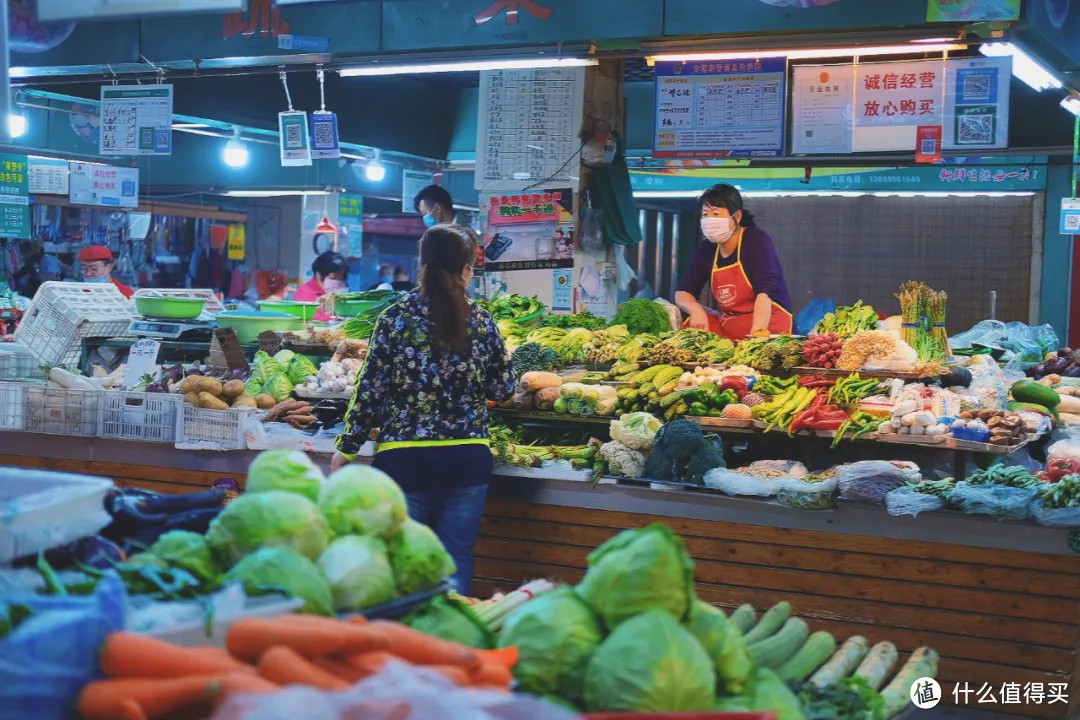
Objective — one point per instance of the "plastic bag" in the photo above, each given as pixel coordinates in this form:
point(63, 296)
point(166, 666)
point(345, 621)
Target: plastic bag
point(987, 332)
point(1055, 517)
point(46, 660)
point(624, 274)
point(1047, 338)
point(1000, 501)
point(736, 483)
point(870, 481)
point(988, 382)
point(905, 501)
point(1066, 446)
point(797, 493)
point(592, 234)
point(812, 314)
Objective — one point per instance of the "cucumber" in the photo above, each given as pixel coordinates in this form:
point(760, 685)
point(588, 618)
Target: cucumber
point(878, 664)
point(773, 651)
point(897, 694)
point(819, 647)
point(770, 622)
point(1027, 391)
point(744, 617)
point(842, 663)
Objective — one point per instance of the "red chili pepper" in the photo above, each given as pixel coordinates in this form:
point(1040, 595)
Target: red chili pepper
point(826, 424)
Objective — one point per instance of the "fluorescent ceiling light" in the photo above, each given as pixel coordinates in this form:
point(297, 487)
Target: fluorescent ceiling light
point(810, 53)
point(464, 66)
point(1024, 67)
point(759, 194)
point(271, 193)
point(1071, 103)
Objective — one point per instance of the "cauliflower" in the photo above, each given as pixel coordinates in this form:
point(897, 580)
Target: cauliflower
point(635, 431)
point(621, 460)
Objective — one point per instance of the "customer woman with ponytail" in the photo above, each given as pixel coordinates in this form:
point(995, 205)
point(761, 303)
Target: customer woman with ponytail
point(434, 361)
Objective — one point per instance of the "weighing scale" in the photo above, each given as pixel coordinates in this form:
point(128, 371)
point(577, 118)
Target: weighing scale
point(171, 328)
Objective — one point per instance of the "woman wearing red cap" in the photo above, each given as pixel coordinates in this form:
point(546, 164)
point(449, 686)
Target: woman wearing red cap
point(97, 264)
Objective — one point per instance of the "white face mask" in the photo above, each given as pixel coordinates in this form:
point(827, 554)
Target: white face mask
point(717, 230)
point(331, 285)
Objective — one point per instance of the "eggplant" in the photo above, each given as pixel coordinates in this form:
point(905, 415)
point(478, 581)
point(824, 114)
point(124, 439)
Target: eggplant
point(1066, 351)
point(1057, 366)
point(1073, 372)
point(175, 373)
point(156, 387)
point(95, 552)
point(214, 497)
point(239, 374)
point(197, 520)
point(193, 370)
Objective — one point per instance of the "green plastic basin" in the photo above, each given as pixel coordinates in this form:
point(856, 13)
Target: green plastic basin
point(248, 324)
point(178, 308)
point(352, 308)
point(303, 310)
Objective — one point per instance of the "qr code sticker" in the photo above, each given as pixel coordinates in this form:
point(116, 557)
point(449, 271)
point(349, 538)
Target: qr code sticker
point(324, 135)
point(294, 136)
point(976, 87)
point(975, 130)
point(1072, 223)
point(928, 146)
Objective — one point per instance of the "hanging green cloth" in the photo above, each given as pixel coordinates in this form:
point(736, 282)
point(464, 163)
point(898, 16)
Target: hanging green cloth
point(609, 188)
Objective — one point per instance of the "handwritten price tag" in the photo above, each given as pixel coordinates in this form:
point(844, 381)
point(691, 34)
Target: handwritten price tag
point(142, 360)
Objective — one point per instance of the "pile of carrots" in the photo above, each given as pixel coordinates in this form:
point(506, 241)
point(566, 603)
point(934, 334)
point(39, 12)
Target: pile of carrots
point(149, 678)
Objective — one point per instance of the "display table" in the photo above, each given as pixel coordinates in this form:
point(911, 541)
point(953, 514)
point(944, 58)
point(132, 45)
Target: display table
point(1000, 602)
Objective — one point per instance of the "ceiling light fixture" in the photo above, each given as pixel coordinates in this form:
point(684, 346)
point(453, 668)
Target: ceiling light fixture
point(912, 48)
point(375, 171)
point(1024, 67)
point(236, 153)
point(1072, 104)
point(17, 126)
point(271, 193)
point(374, 69)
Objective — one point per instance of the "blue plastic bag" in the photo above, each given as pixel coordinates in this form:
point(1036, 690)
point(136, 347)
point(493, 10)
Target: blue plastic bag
point(812, 314)
point(46, 660)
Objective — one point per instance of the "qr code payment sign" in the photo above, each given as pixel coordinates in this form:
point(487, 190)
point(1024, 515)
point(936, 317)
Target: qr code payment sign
point(928, 146)
point(976, 87)
point(324, 135)
point(294, 136)
point(976, 125)
point(1072, 223)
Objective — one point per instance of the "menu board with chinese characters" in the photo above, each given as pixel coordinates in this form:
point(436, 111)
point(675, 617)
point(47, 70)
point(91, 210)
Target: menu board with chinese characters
point(528, 231)
point(136, 119)
point(893, 99)
point(47, 176)
point(14, 203)
point(103, 185)
point(733, 108)
point(528, 128)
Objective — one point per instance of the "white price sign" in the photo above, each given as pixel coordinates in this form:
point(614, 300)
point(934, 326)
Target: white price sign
point(142, 361)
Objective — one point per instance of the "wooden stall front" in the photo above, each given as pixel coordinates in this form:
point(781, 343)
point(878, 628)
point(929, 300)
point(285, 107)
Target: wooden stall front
point(1000, 602)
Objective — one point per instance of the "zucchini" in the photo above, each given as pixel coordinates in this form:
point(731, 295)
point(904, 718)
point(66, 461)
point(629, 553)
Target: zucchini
point(744, 617)
point(819, 647)
point(842, 663)
point(645, 388)
point(878, 664)
point(897, 694)
point(669, 373)
point(671, 399)
point(771, 621)
point(1027, 391)
point(646, 375)
point(773, 651)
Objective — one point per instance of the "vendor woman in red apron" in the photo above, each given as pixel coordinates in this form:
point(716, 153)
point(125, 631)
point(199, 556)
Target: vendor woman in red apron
point(739, 261)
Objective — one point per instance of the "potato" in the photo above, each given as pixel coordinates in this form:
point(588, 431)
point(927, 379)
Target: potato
point(233, 388)
point(190, 383)
point(264, 401)
point(207, 400)
point(192, 398)
point(209, 385)
point(244, 400)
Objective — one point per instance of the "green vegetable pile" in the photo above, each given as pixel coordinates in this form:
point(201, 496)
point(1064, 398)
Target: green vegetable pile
point(583, 319)
point(1065, 493)
point(512, 307)
point(1015, 476)
point(641, 315)
point(532, 357)
point(769, 354)
point(848, 320)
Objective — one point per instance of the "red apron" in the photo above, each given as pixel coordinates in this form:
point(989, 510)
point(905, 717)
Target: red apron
point(735, 296)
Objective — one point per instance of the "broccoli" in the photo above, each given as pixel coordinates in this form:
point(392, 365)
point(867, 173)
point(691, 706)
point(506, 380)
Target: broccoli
point(682, 453)
point(531, 356)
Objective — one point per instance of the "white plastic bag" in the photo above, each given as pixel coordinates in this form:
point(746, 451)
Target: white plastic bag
point(1066, 446)
point(735, 483)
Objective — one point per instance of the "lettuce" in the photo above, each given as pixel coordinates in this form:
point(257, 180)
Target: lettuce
point(420, 561)
point(724, 643)
point(359, 572)
point(301, 368)
point(285, 469)
point(279, 386)
point(451, 619)
point(188, 551)
point(283, 570)
point(360, 499)
point(263, 367)
point(271, 518)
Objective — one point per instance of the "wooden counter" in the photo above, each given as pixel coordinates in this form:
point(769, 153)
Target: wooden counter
point(1000, 602)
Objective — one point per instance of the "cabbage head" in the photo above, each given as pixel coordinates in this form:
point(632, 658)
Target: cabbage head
point(555, 635)
point(650, 663)
point(188, 551)
point(723, 641)
point(263, 367)
point(636, 571)
point(359, 572)
point(279, 569)
point(360, 499)
point(451, 619)
point(279, 386)
point(301, 368)
point(284, 357)
point(267, 519)
point(285, 469)
point(420, 561)
point(765, 691)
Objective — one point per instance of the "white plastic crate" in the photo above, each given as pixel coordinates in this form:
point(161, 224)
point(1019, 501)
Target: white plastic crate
point(138, 415)
point(16, 363)
point(198, 634)
point(224, 428)
point(61, 411)
point(63, 314)
point(41, 509)
point(13, 405)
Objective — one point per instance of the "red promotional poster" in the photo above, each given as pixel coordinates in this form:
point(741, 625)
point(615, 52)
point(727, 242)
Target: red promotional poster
point(928, 144)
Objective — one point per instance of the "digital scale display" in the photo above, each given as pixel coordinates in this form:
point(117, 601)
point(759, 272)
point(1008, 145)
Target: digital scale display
point(163, 328)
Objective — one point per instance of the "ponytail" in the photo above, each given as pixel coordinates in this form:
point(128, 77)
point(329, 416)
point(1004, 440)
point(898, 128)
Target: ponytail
point(445, 252)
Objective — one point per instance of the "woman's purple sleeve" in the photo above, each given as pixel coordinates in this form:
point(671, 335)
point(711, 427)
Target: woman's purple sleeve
point(761, 263)
point(697, 275)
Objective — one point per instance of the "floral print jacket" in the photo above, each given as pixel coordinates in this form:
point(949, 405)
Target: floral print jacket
point(409, 391)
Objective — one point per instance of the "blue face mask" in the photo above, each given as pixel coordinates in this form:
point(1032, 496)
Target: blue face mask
point(96, 280)
point(387, 279)
point(430, 221)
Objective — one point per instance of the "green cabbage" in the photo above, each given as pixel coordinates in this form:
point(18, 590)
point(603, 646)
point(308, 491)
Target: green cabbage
point(263, 367)
point(279, 386)
point(301, 368)
point(360, 499)
point(650, 663)
point(451, 619)
point(639, 570)
point(359, 572)
point(556, 635)
point(188, 551)
point(285, 469)
point(270, 518)
point(279, 569)
point(253, 387)
point(765, 691)
point(723, 641)
point(284, 357)
point(145, 559)
point(420, 561)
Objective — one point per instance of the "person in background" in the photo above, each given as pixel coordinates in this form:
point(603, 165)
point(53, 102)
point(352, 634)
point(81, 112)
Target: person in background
point(386, 278)
point(434, 361)
point(328, 276)
point(435, 204)
point(739, 262)
point(96, 262)
point(401, 281)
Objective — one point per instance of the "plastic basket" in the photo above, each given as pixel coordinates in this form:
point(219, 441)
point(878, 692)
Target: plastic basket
point(63, 314)
point(13, 405)
point(16, 363)
point(211, 307)
point(138, 415)
point(41, 509)
point(213, 633)
point(61, 411)
point(224, 428)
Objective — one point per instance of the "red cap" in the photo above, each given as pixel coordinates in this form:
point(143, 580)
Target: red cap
point(95, 252)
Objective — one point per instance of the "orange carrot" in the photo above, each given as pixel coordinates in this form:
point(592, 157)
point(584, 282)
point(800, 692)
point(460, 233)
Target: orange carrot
point(507, 656)
point(248, 639)
point(219, 655)
point(454, 673)
point(420, 649)
point(152, 697)
point(242, 684)
point(315, 621)
point(339, 668)
point(493, 674)
point(283, 665)
point(125, 654)
point(370, 663)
